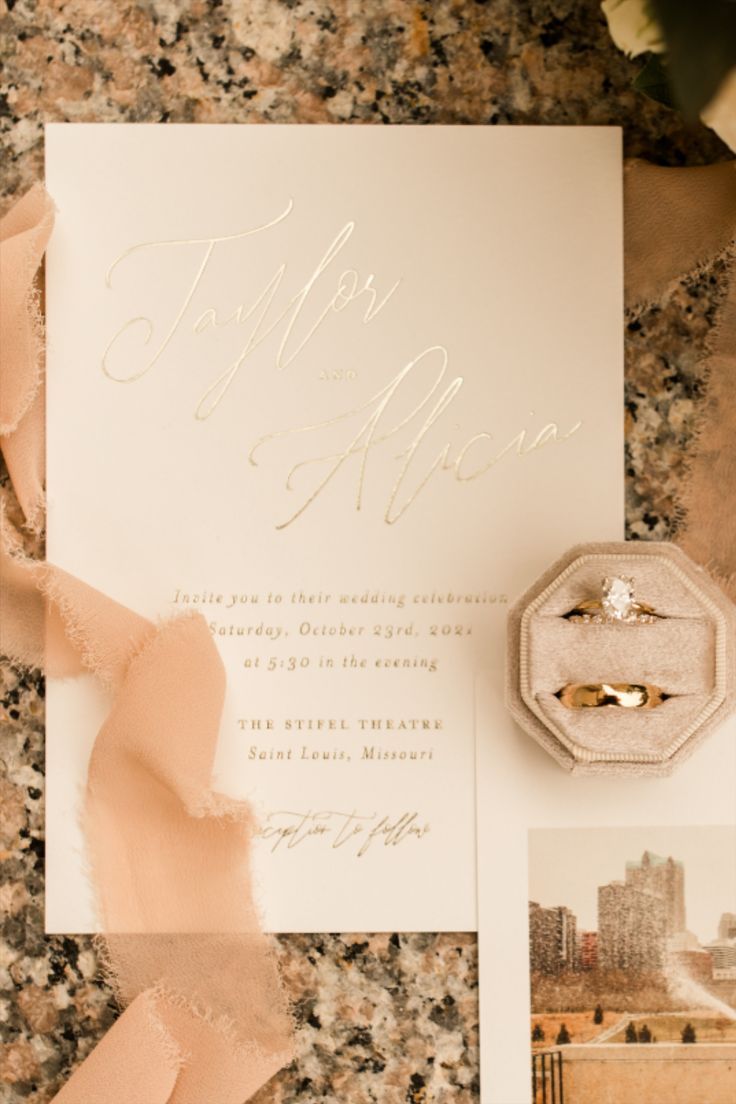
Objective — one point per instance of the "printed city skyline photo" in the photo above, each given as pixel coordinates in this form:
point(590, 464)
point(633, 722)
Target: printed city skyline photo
point(632, 955)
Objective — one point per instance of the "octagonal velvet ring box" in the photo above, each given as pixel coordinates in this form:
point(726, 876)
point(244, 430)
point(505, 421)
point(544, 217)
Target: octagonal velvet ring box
point(687, 650)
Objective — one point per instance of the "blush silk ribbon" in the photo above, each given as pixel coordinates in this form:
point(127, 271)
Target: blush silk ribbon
point(206, 1018)
point(676, 222)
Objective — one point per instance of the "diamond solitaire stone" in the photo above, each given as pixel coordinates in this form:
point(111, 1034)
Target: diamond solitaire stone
point(616, 605)
point(618, 598)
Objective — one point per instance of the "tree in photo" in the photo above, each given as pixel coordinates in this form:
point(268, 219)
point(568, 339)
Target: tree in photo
point(645, 1035)
point(598, 1015)
point(631, 1036)
point(538, 1033)
point(563, 1036)
point(688, 1034)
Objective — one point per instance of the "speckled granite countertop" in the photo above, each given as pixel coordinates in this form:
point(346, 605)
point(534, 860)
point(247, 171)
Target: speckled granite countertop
point(386, 1018)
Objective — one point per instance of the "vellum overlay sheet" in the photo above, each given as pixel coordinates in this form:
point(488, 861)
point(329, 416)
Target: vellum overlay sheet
point(342, 391)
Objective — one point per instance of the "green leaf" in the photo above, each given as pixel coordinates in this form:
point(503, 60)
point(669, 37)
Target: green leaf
point(653, 80)
point(700, 41)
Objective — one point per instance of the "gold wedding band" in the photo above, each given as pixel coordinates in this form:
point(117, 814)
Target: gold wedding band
point(616, 604)
point(628, 695)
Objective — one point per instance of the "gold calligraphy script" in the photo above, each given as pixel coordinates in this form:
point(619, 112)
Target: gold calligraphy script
point(473, 458)
point(297, 320)
point(408, 417)
point(355, 831)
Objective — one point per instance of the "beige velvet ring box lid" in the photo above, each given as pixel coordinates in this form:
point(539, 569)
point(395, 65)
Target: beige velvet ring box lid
point(688, 651)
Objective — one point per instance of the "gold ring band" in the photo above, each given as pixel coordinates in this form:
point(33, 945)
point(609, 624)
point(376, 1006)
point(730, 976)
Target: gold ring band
point(627, 695)
point(594, 612)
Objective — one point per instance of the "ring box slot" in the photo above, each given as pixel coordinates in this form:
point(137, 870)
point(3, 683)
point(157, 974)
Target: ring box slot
point(689, 652)
point(646, 731)
point(676, 655)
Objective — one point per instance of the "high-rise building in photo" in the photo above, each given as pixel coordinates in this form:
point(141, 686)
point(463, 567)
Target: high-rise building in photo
point(723, 957)
point(588, 950)
point(727, 926)
point(666, 879)
point(552, 939)
point(632, 928)
point(641, 920)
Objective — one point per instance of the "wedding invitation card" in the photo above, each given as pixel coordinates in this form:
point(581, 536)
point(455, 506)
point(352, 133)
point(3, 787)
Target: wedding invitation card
point(343, 391)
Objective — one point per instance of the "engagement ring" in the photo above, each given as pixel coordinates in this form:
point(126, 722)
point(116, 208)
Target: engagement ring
point(616, 604)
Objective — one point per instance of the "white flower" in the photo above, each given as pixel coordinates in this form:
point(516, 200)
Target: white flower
point(720, 114)
point(635, 32)
point(632, 27)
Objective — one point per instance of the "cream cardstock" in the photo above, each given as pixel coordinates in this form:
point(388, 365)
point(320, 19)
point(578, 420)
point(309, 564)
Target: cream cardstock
point(342, 390)
point(520, 787)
